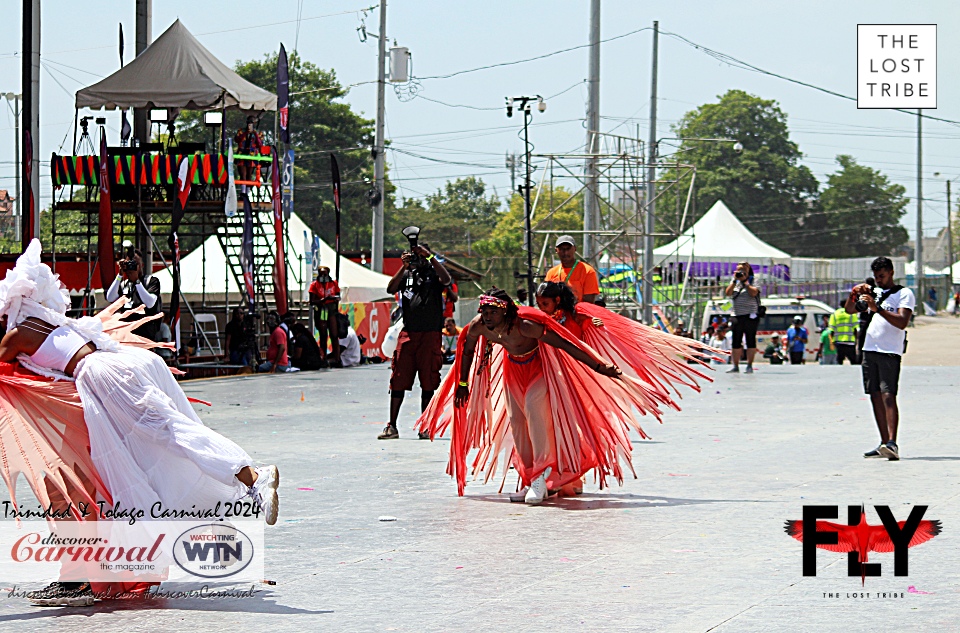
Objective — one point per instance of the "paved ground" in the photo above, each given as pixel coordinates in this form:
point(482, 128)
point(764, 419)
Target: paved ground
point(696, 543)
point(934, 341)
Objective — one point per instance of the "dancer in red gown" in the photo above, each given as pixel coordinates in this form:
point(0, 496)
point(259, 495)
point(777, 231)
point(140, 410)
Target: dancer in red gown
point(540, 395)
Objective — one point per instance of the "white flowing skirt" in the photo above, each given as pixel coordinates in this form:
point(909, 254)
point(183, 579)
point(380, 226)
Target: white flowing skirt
point(146, 440)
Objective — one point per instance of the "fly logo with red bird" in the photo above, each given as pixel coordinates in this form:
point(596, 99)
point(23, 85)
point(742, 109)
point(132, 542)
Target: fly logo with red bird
point(858, 538)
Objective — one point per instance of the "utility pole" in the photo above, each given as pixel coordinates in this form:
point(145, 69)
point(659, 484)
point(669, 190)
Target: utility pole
point(30, 86)
point(141, 132)
point(949, 244)
point(15, 105)
point(510, 162)
point(918, 258)
point(524, 105)
point(376, 248)
point(144, 35)
point(591, 202)
point(531, 291)
point(651, 188)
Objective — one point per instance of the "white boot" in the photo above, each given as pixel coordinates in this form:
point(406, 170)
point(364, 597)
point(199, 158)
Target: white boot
point(538, 489)
point(264, 492)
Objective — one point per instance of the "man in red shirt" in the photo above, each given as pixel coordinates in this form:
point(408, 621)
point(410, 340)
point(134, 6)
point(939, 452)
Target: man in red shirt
point(277, 359)
point(450, 300)
point(325, 299)
point(579, 275)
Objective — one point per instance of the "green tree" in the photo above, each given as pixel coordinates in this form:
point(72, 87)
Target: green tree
point(451, 219)
point(862, 210)
point(765, 185)
point(321, 124)
point(507, 237)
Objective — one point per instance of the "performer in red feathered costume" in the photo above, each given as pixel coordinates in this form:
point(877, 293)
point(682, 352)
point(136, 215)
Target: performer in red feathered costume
point(539, 394)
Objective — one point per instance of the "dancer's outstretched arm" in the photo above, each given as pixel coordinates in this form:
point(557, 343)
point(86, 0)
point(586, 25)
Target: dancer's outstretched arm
point(535, 330)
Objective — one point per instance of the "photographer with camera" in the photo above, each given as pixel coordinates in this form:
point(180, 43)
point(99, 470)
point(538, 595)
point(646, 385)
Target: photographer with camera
point(884, 343)
point(138, 290)
point(746, 315)
point(421, 283)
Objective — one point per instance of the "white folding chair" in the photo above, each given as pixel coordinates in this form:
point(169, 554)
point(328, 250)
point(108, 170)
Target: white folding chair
point(208, 334)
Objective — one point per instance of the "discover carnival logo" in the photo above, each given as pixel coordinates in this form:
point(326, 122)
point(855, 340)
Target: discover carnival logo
point(214, 550)
point(858, 538)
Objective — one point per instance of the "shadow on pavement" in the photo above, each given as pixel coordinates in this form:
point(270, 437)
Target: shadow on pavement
point(235, 605)
point(932, 459)
point(617, 501)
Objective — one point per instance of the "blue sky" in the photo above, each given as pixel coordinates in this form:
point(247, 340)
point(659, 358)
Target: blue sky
point(813, 41)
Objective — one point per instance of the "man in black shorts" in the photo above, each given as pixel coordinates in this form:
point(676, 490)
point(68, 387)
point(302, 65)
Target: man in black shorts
point(746, 317)
point(888, 308)
point(419, 351)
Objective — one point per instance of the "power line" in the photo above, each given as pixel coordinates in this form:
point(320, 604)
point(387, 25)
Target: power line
point(532, 59)
point(738, 63)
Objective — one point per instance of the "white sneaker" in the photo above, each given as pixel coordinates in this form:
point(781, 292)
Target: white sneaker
point(538, 489)
point(519, 497)
point(264, 492)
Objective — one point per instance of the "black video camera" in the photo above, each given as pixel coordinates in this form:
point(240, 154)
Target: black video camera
point(860, 304)
point(412, 233)
point(128, 265)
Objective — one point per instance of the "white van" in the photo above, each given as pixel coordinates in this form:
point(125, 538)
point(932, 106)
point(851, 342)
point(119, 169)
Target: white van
point(779, 317)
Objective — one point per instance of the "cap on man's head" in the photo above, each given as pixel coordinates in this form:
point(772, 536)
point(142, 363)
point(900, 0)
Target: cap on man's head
point(798, 319)
point(565, 239)
point(775, 336)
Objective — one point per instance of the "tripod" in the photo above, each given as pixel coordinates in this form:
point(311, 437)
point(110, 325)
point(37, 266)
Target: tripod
point(84, 143)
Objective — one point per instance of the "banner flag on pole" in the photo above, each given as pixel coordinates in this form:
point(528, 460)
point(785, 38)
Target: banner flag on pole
point(335, 178)
point(105, 252)
point(283, 95)
point(280, 263)
point(287, 184)
point(27, 225)
point(188, 167)
point(230, 206)
point(246, 253)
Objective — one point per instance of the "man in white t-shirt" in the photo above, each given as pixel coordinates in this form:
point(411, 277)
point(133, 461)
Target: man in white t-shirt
point(350, 349)
point(889, 307)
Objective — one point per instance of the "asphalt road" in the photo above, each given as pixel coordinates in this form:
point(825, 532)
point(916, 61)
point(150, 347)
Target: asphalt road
point(695, 543)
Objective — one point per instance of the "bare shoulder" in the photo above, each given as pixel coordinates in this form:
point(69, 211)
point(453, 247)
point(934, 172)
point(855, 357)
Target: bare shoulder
point(530, 328)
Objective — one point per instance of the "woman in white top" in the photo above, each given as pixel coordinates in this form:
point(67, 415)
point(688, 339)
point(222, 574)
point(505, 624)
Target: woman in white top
point(146, 441)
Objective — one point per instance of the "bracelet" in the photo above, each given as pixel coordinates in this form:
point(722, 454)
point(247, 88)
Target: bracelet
point(463, 383)
point(431, 257)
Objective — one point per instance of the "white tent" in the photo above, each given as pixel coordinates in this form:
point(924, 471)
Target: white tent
point(176, 71)
point(910, 268)
point(719, 236)
point(206, 267)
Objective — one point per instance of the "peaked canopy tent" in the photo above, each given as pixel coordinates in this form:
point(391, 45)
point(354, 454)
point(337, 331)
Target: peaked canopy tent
point(716, 243)
point(204, 270)
point(176, 71)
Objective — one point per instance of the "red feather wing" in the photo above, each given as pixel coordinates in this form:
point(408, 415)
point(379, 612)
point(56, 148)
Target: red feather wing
point(925, 531)
point(846, 536)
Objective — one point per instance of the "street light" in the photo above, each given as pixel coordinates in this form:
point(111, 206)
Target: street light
point(936, 174)
point(14, 99)
point(524, 104)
